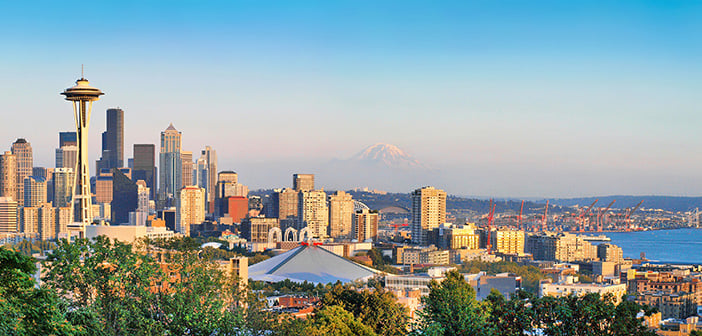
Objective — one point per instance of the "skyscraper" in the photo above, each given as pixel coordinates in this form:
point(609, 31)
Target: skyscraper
point(187, 164)
point(313, 212)
point(303, 182)
point(207, 175)
point(8, 175)
point(25, 162)
point(170, 164)
point(113, 141)
point(82, 95)
point(341, 214)
point(145, 166)
point(428, 212)
point(63, 187)
point(124, 196)
point(284, 204)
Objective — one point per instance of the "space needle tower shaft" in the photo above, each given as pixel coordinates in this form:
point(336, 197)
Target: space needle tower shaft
point(82, 95)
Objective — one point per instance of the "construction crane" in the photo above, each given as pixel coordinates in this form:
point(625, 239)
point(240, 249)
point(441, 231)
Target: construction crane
point(519, 218)
point(544, 220)
point(491, 215)
point(602, 213)
point(397, 225)
point(581, 218)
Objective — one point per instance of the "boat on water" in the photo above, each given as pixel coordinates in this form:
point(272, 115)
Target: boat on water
point(601, 238)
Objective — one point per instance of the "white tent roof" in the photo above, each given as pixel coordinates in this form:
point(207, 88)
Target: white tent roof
point(312, 264)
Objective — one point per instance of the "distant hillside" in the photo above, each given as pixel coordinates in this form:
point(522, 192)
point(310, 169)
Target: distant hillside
point(670, 203)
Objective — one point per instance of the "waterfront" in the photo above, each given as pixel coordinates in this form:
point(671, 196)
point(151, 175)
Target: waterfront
point(675, 246)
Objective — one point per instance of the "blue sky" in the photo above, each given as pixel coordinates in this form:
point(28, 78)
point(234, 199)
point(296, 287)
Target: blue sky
point(504, 98)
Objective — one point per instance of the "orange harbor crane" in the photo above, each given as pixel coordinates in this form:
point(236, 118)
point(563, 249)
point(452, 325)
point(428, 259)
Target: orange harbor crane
point(602, 213)
point(519, 218)
point(626, 219)
point(581, 218)
point(491, 215)
point(544, 220)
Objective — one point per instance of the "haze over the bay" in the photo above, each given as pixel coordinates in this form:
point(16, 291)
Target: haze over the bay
point(553, 99)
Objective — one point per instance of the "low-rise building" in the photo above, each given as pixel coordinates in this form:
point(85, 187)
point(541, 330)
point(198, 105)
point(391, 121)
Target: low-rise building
point(547, 288)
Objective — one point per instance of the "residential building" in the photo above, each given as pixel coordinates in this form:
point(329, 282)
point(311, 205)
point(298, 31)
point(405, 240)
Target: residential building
point(236, 208)
point(284, 204)
point(191, 208)
point(67, 157)
point(189, 179)
point(547, 288)
point(508, 241)
point(560, 247)
point(365, 225)
point(341, 214)
point(8, 215)
point(428, 212)
point(610, 252)
point(313, 212)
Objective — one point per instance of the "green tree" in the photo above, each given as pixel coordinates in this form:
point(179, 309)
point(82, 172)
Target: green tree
point(25, 309)
point(376, 308)
point(511, 317)
point(334, 320)
point(451, 309)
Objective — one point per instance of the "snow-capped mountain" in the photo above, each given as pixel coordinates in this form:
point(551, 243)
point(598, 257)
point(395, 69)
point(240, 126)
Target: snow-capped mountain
point(387, 155)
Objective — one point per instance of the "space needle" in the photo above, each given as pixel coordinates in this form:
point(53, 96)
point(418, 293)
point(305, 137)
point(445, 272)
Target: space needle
point(82, 95)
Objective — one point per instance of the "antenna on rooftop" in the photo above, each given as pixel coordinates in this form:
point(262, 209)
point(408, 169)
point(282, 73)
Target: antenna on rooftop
point(81, 71)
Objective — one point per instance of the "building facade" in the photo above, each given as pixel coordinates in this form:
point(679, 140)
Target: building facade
point(365, 225)
point(145, 166)
point(25, 162)
point(8, 215)
point(191, 209)
point(341, 215)
point(112, 141)
point(313, 213)
point(8, 175)
point(170, 165)
point(428, 212)
point(303, 182)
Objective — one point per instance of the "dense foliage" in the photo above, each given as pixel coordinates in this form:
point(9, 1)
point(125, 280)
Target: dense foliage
point(531, 275)
point(105, 287)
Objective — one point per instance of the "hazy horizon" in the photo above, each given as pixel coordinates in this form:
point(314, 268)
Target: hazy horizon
point(509, 99)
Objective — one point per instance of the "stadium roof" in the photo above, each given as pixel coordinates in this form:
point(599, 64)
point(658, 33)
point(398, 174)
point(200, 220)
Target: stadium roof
point(310, 263)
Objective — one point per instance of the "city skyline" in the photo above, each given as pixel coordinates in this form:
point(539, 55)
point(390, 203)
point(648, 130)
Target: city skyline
point(543, 100)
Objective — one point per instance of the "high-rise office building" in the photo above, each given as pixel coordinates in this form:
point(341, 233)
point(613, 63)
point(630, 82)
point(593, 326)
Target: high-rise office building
point(113, 141)
point(68, 139)
point(313, 212)
point(64, 178)
point(365, 225)
point(206, 175)
point(124, 196)
point(428, 212)
point(8, 215)
point(189, 179)
point(341, 214)
point(138, 217)
point(191, 208)
point(34, 191)
point(64, 216)
point(67, 157)
point(25, 162)
point(145, 166)
point(171, 167)
point(103, 186)
point(303, 182)
point(227, 186)
point(8, 176)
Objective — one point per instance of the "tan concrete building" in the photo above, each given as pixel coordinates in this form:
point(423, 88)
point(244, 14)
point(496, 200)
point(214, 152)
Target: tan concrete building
point(34, 191)
point(428, 212)
point(285, 203)
point(8, 214)
point(191, 209)
point(313, 213)
point(187, 166)
point(47, 222)
point(610, 252)
point(365, 225)
point(580, 289)
point(8, 176)
point(29, 220)
point(341, 214)
point(560, 247)
point(256, 229)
